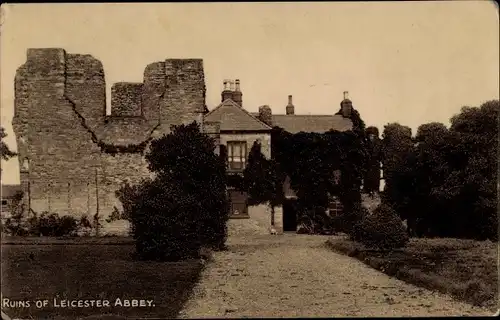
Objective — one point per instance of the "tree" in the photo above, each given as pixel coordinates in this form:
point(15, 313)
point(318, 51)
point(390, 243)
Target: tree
point(263, 180)
point(474, 168)
point(187, 157)
point(311, 173)
point(6, 153)
point(371, 181)
point(396, 145)
point(428, 213)
point(185, 206)
point(4, 149)
point(446, 184)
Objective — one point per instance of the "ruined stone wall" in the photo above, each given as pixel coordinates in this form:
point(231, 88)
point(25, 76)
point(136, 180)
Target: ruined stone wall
point(75, 153)
point(126, 99)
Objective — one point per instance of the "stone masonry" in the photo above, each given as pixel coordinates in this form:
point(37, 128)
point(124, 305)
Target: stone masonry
point(72, 155)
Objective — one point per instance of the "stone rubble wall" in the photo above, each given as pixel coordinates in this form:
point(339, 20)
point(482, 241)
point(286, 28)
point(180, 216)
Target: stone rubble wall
point(63, 132)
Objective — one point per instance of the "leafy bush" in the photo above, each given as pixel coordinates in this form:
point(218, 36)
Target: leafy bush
point(315, 221)
point(15, 227)
point(344, 222)
point(116, 215)
point(85, 222)
point(84, 227)
point(16, 224)
point(185, 207)
point(52, 225)
point(164, 222)
point(381, 230)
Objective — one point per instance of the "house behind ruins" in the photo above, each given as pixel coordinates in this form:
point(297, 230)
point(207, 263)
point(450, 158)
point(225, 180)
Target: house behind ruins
point(239, 129)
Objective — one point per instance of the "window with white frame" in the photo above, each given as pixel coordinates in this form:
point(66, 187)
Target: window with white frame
point(236, 154)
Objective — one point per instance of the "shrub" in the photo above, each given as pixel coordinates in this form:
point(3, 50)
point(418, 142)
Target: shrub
point(346, 221)
point(16, 224)
point(51, 225)
point(185, 206)
point(66, 226)
point(115, 215)
point(381, 230)
point(15, 227)
point(165, 222)
point(84, 227)
point(85, 222)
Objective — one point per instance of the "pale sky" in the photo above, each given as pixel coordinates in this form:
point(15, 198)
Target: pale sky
point(406, 62)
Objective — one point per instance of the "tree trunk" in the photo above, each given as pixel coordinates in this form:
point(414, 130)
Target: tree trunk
point(272, 215)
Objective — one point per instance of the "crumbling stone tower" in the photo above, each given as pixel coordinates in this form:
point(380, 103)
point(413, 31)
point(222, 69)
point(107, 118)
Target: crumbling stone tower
point(72, 155)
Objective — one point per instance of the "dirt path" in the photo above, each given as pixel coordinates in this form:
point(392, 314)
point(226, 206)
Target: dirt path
point(296, 275)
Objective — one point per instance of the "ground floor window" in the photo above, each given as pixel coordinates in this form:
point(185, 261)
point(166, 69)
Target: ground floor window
point(335, 207)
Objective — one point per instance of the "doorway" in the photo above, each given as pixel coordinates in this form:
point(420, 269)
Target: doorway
point(290, 215)
point(239, 204)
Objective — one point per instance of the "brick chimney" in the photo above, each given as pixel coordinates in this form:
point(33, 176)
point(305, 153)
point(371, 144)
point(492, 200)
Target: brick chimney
point(346, 105)
point(290, 109)
point(237, 95)
point(226, 92)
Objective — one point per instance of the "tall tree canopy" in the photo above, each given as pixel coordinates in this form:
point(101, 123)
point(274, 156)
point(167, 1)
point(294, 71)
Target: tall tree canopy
point(446, 183)
point(263, 180)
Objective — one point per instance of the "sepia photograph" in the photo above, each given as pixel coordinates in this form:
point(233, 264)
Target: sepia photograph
point(249, 160)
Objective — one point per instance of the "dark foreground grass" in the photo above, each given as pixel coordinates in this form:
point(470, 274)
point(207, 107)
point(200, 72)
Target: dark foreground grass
point(108, 240)
point(93, 272)
point(465, 269)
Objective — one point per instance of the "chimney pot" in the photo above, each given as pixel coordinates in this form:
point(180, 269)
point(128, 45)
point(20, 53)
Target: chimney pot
point(237, 84)
point(231, 85)
point(226, 94)
point(346, 105)
point(290, 109)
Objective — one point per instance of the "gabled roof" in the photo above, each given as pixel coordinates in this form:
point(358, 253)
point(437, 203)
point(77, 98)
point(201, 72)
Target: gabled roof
point(232, 117)
point(9, 190)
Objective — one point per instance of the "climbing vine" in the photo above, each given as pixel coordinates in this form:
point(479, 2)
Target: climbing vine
point(322, 165)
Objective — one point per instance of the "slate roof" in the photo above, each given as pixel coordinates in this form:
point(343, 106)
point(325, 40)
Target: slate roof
point(232, 117)
point(9, 190)
point(311, 123)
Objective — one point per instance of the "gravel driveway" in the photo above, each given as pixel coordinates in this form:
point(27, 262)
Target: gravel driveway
point(295, 275)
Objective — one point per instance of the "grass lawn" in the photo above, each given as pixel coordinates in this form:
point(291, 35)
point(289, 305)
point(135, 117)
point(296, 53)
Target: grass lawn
point(93, 271)
point(466, 269)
